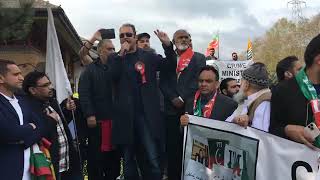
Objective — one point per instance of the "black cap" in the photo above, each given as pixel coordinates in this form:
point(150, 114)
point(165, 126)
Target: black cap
point(142, 35)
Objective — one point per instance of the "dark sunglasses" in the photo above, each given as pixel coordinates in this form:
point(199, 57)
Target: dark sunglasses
point(126, 34)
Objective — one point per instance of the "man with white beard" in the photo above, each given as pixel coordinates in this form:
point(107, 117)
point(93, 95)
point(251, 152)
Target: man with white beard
point(253, 98)
point(178, 85)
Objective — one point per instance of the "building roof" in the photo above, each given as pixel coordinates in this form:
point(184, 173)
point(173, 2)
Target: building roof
point(63, 25)
point(18, 3)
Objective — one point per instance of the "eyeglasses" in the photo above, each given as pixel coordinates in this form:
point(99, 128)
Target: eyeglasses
point(44, 85)
point(122, 35)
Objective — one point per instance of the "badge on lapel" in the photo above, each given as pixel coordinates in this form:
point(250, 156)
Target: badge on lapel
point(140, 67)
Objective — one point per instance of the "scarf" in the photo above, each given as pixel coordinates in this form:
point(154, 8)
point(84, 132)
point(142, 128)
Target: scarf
point(206, 112)
point(106, 126)
point(184, 60)
point(310, 94)
point(41, 167)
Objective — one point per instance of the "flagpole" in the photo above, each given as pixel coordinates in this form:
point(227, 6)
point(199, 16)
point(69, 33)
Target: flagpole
point(56, 71)
point(77, 139)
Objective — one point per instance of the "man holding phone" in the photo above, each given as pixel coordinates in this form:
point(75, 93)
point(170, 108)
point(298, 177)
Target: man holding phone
point(292, 100)
point(105, 46)
point(95, 94)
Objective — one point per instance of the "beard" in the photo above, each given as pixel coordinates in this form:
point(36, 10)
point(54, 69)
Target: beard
point(14, 87)
point(240, 97)
point(182, 47)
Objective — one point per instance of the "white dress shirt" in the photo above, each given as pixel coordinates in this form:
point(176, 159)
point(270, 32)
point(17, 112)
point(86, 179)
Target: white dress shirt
point(26, 163)
point(261, 118)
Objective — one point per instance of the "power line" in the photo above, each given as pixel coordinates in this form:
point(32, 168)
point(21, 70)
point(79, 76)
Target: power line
point(297, 6)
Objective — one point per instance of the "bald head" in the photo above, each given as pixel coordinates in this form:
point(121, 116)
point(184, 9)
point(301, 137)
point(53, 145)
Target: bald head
point(105, 48)
point(102, 43)
point(181, 31)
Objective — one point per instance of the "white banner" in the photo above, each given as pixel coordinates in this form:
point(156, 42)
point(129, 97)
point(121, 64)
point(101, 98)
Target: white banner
point(218, 150)
point(230, 69)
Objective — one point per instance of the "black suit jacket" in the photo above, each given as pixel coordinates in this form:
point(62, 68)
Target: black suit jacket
point(123, 117)
point(51, 134)
point(223, 108)
point(15, 138)
point(288, 106)
point(185, 86)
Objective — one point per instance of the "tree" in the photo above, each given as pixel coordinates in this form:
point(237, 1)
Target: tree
point(283, 39)
point(16, 23)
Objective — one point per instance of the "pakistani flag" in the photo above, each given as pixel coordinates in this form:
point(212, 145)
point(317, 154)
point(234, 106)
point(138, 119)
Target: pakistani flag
point(55, 69)
point(214, 44)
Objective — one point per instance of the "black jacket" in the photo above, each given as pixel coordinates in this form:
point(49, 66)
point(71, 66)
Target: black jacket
point(288, 106)
point(95, 91)
point(15, 138)
point(124, 110)
point(50, 132)
point(185, 87)
point(223, 108)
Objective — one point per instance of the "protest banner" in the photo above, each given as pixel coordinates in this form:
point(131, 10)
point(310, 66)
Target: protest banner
point(218, 150)
point(230, 69)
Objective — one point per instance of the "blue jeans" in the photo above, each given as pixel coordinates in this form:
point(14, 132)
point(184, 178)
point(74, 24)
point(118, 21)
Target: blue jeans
point(144, 153)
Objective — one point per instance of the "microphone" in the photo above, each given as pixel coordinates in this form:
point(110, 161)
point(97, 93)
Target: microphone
point(125, 52)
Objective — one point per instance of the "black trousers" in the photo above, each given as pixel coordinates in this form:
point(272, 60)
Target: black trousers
point(174, 138)
point(101, 165)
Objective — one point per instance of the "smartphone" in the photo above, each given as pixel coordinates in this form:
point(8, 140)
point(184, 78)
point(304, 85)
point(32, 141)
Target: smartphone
point(107, 33)
point(312, 130)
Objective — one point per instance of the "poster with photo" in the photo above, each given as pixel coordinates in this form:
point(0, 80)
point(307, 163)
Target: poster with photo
point(218, 150)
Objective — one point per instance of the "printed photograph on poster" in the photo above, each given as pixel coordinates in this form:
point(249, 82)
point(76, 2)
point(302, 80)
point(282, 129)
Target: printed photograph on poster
point(230, 156)
point(200, 152)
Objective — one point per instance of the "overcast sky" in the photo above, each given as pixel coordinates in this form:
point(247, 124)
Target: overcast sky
point(236, 20)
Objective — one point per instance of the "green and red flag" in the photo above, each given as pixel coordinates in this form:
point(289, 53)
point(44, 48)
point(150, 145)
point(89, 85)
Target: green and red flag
point(41, 167)
point(214, 44)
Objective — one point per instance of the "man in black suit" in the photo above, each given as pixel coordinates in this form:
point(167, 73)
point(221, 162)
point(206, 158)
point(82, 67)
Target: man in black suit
point(42, 99)
point(19, 127)
point(291, 100)
point(136, 123)
point(178, 86)
point(95, 92)
point(208, 102)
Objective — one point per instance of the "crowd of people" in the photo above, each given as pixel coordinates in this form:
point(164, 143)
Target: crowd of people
point(134, 103)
